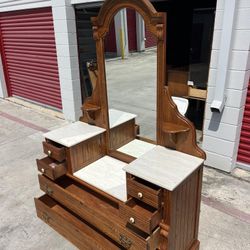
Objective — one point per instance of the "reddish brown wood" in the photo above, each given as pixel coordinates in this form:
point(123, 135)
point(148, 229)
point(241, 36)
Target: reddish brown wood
point(172, 128)
point(51, 168)
point(85, 153)
point(121, 156)
point(73, 229)
point(144, 217)
point(94, 208)
point(94, 189)
point(195, 246)
point(53, 150)
point(184, 142)
point(181, 214)
point(177, 82)
point(122, 134)
point(160, 219)
point(144, 191)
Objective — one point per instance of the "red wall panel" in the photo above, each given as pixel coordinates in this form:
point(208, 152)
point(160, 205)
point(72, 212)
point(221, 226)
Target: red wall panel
point(244, 147)
point(151, 41)
point(29, 56)
point(110, 39)
point(131, 19)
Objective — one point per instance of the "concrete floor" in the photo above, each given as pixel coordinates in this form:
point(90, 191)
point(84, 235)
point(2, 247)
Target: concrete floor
point(225, 209)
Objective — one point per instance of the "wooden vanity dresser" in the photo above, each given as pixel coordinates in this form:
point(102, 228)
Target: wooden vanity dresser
point(105, 186)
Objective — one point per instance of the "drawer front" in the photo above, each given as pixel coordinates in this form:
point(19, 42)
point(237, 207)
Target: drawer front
point(52, 169)
point(144, 193)
point(57, 153)
point(96, 214)
point(139, 216)
point(72, 228)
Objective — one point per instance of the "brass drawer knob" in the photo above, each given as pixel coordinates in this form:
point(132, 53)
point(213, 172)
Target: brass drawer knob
point(49, 153)
point(140, 195)
point(131, 220)
point(43, 170)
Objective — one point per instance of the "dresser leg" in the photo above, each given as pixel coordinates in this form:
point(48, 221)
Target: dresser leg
point(196, 245)
point(163, 243)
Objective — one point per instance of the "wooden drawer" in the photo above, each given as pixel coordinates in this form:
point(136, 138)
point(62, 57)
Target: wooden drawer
point(140, 215)
point(144, 191)
point(53, 150)
point(72, 228)
point(98, 211)
point(50, 168)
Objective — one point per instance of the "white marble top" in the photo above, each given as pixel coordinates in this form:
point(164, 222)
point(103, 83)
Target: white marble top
point(136, 148)
point(164, 167)
point(107, 175)
point(73, 133)
point(117, 117)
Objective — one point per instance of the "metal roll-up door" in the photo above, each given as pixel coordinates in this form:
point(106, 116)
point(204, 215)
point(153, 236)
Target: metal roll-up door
point(244, 147)
point(151, 40)
point(29, 57)
point(131, 20)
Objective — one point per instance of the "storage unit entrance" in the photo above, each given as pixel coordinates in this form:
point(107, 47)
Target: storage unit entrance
point(28, 51)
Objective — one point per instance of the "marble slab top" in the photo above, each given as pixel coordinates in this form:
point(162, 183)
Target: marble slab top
point(164, 167)
point(136, 148)
point(73, 133)
point(107, 175)
point(117, 117)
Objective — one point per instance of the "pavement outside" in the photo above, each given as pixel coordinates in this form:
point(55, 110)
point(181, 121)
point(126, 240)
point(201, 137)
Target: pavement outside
point(225, 208)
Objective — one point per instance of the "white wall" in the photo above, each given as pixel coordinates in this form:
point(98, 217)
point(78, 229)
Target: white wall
point(67, 57)
point(222, 131)
point(10, 5)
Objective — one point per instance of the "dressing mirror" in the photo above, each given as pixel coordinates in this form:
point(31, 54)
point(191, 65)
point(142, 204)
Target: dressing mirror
point(131, 99)
point(131, 76)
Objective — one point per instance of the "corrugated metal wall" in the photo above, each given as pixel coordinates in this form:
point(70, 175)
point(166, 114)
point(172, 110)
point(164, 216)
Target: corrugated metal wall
point(29, 55)
point(244, 147)
point(12, 5)
point(110, 39)
point(131, 19)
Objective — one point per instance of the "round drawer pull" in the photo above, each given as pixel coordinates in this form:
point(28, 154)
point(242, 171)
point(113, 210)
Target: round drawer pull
point(140, 195)
point(49, 153)
point(43, 170)
point(131, 220)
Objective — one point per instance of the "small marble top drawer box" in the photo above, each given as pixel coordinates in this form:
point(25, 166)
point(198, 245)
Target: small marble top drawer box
point(144, 191)
point(140, 215)
point(50, 168)
point(54, 150)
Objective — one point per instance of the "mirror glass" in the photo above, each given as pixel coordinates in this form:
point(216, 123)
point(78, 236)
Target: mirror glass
point(131, 76)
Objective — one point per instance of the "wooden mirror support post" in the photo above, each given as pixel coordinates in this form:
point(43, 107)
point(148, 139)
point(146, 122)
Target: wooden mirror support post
point(108, 188)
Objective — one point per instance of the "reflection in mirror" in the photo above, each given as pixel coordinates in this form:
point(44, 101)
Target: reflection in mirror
point(131, 60)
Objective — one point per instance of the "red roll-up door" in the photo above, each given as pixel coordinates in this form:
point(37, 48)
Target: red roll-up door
point(110, 39)
point(244, 147)
point(131, 20)
point(29, 56)
point(151, 40)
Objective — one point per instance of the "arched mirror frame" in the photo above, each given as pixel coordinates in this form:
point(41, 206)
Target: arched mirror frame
point(173, 130)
